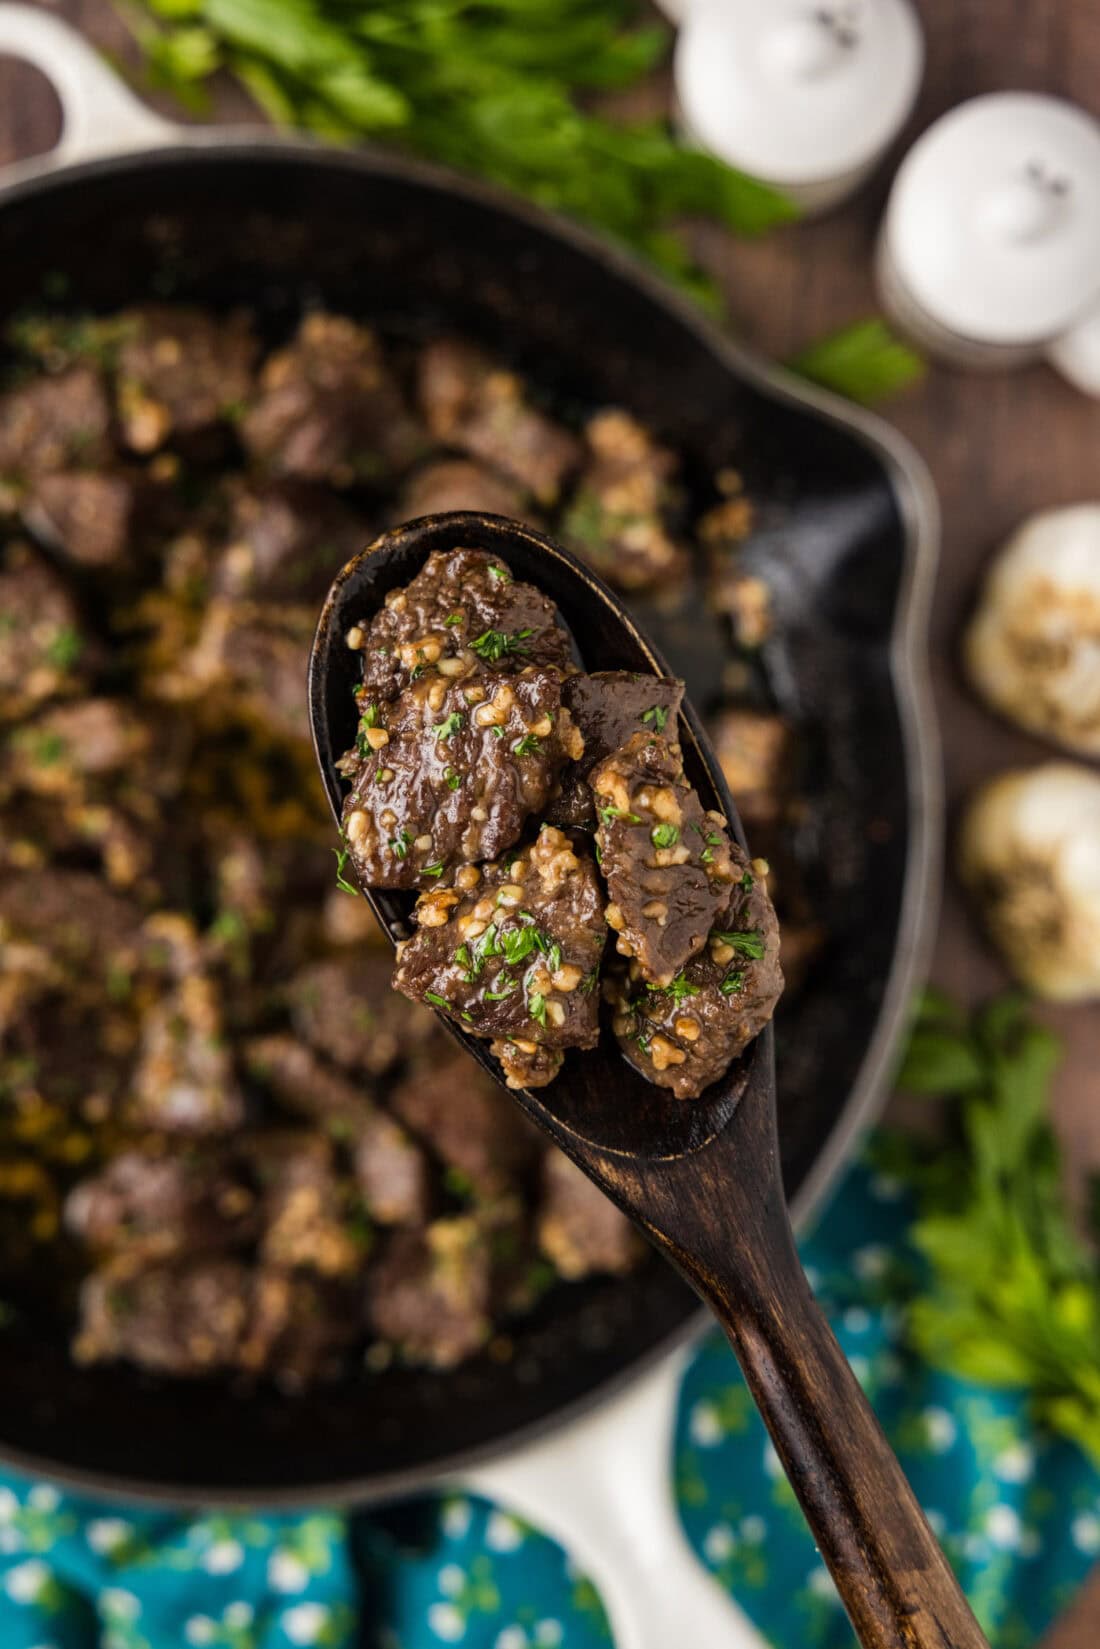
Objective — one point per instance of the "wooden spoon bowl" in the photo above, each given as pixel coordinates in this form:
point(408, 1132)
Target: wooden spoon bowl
point(701, 1177)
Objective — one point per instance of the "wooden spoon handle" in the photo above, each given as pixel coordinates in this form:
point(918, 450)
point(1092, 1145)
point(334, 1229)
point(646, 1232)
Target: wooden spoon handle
point(892, 1576)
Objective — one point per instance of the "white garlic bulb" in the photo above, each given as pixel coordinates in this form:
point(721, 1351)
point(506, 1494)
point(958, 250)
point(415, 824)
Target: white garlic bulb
point(1029, 851)
point(1033, 648)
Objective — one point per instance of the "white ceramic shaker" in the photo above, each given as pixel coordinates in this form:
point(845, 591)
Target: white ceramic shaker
point(989, 252)
point(805, 97)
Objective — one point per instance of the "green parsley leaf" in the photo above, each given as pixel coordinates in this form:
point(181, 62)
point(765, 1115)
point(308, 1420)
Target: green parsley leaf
point(678, 988)
point(536, 1007)
point(664, 835)
point(749, 943)
point(506, 990)
point(342, 856)
point(436, 1000)
point(432, 870)
point(447, 729)
point(64, 647)
point(656, 716)
point(553, 958)
point(864, 361)
point(498, 732)
point(493, 645)
point(529, 745)
point(501, 574)
point(609, 813)
point(453, 619)
point(369, 718)
point(517, 944)
point(733, 982)
point(453, 779)
point(400, 844)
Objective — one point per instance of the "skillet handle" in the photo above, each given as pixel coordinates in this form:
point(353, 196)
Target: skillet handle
point(99, 114)
point(602, 1487)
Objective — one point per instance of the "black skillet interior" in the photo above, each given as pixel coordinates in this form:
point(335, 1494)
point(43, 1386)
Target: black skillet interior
point(280, 229)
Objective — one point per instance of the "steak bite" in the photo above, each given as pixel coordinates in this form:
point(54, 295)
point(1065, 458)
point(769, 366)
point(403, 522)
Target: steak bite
point(307, 1212)
point(68, 744)
point(85, 517)
point(513, 949)
point(754, 750)
point(181, 370)
point(472, 403)
point(53, 423)
point(391, 1172)
point(42, 644)
point(685, 1034)
point(452, 772)
point(458, 484)
point(149, 1204)
point(300, 1326)
point(183, 1318)
point(609, 707)
point(667, 864)
point(329, 409)
point(579, 1229)
point(286, 542)
point(461, 1113)
point(345, 1009)
point(428, 1293)
point(184, 1080)
point(614, 519)
point(465, 606)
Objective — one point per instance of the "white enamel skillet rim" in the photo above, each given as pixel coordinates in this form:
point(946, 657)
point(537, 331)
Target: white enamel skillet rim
point(598, 1479)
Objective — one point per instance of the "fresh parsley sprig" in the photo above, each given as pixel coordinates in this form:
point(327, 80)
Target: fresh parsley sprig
point(1013, 1290)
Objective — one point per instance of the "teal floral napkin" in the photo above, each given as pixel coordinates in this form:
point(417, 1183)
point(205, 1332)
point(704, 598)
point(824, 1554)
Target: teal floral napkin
point(1019, 1515)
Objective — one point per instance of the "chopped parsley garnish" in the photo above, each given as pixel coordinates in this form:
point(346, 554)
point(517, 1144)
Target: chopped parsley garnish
point(342, 856)
point(656, 716)
point(529, 745)
point(500, 573)
point(498, 996)
point(664, 835)
point(453, 619)
point(713, 839)
point(498, 732)
point(453, 779)
point(747, 882)
point(436, 1000)
point(536, 1007)
point(589, 982)
point(64, 647)
point(493, 645)
point(47, 749)
point(679, 987)
point(518, 943)
point(749, 943)
point(472, 957)
point(447, 729)
point(553, 958)
point(400, 843)
point(462, 956)
point(369, 718)
point(609, 813)
point(733, 982)
point(432, 870)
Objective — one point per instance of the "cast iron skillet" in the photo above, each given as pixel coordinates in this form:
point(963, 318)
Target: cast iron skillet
point(846, 535)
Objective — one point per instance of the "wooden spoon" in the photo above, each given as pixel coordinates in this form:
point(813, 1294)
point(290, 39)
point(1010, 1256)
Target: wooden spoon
point(700, 1177)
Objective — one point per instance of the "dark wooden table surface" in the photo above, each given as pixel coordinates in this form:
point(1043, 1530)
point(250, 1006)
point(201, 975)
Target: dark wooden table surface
point(998, 447)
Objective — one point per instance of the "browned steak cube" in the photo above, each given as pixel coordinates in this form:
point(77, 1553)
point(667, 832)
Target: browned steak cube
point(754, 748)
point(53, 423)
point(462, 606)
point(614, 519)
point(609, 707)
point(428, 1293)
point(43, 648)
point(299, 1326)
point(258, 654)
point(516, 956)
point(329, 408)
point(77, 741)
point(306, 1086)
point(450, 1103)
point(457, 776)
point(184, 1081)
point(287, 541)
point(180, 370)
point(345, 1008)
point(149, 1204)
point(185, 1318)
point(472, 403)
point(75, 927)
point(391, 1172)
point(307, 1213)
point(579, 1229)
point(85, 517)
point(667, 864)
point(457, 484)
point(685, 1035)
